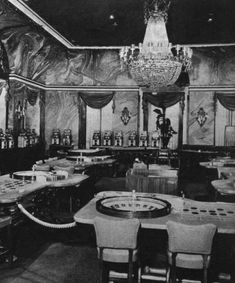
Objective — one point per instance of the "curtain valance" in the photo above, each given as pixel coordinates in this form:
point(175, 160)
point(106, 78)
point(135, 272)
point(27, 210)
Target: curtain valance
point(227, 100)
point(163, 99)
point(96, 99)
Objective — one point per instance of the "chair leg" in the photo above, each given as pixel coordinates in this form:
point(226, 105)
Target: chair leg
point(168, 275)
point(205, 275)
point(100, 270)
point(130, 272)
point(173, 269)
point(204, 269)
point(139, 274)
point(130, 266)
point(102, 278)
point(10, 246)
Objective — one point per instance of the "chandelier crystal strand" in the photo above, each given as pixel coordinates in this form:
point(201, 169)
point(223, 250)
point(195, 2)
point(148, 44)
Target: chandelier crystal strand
point(156, 63)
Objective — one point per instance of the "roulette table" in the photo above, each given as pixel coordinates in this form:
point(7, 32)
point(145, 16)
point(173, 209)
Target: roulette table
point(133, 206)
point(35, 196)
point(12, 190)
point(182, 210)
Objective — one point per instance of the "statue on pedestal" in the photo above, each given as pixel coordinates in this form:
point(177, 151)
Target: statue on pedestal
point(163, 125)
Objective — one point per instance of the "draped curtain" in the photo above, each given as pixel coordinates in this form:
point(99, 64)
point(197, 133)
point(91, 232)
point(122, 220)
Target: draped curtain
point(96, 99)
point(227, 100)
point(162, 99)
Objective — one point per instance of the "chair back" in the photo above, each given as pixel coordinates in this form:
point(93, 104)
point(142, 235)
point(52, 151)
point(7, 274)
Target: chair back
point(119, 234)
point(192, 239)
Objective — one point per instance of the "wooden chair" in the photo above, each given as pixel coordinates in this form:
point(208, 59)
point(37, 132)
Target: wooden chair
point(116, 243)
point(189, 246)
point(6, 222)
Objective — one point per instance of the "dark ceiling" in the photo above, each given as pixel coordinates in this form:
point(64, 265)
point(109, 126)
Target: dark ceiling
point(90, 22)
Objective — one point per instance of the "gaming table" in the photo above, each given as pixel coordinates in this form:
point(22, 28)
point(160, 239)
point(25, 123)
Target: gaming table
point(182, 210)
point(12, 190)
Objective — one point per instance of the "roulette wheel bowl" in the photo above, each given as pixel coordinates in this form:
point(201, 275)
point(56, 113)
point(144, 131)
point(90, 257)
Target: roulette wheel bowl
point(129, 207)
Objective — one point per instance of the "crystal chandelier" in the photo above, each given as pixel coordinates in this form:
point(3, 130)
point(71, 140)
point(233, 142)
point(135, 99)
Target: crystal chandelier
point(156, 63)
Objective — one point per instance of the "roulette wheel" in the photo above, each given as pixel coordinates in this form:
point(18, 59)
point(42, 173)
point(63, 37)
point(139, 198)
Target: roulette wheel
point(133, 207)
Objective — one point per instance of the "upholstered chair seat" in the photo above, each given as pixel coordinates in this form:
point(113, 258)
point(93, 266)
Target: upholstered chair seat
point(189, 246)
point(117, 243)
point(192, 261)
point(118, 255)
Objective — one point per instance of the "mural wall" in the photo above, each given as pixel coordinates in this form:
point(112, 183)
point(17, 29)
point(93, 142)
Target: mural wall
point(35, 55)
point(211, 67)
point(201, 118)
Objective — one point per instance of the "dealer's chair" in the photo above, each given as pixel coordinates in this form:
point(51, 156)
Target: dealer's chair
point(5, 223)
point(117, 243)
point(189, 246)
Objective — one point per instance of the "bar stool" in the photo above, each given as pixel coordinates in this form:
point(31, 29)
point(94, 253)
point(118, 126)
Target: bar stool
point(189, 246)
point(6, 222)
point(117, 243)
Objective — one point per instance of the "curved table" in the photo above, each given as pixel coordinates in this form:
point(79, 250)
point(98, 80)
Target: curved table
point(82, 166)
point(185, 211)
point(12, 190)
point(218, 162)
point(224, 186)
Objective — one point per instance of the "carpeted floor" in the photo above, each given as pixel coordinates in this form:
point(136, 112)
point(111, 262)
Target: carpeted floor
point(61, 263)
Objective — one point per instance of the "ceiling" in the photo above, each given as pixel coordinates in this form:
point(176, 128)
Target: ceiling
point(121, 22)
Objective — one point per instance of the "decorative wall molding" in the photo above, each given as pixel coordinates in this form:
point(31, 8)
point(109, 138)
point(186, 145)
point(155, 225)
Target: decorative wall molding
point(212, 88)
point(14, 77)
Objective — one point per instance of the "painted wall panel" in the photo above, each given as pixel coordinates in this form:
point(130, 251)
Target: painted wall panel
point(61, 113)
point(129, 100)
point(204, 134)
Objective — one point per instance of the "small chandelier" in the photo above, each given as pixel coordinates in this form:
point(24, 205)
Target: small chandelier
point(156, 63)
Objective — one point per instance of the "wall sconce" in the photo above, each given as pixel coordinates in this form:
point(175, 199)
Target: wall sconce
point(126, 116)
point(201, 116)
